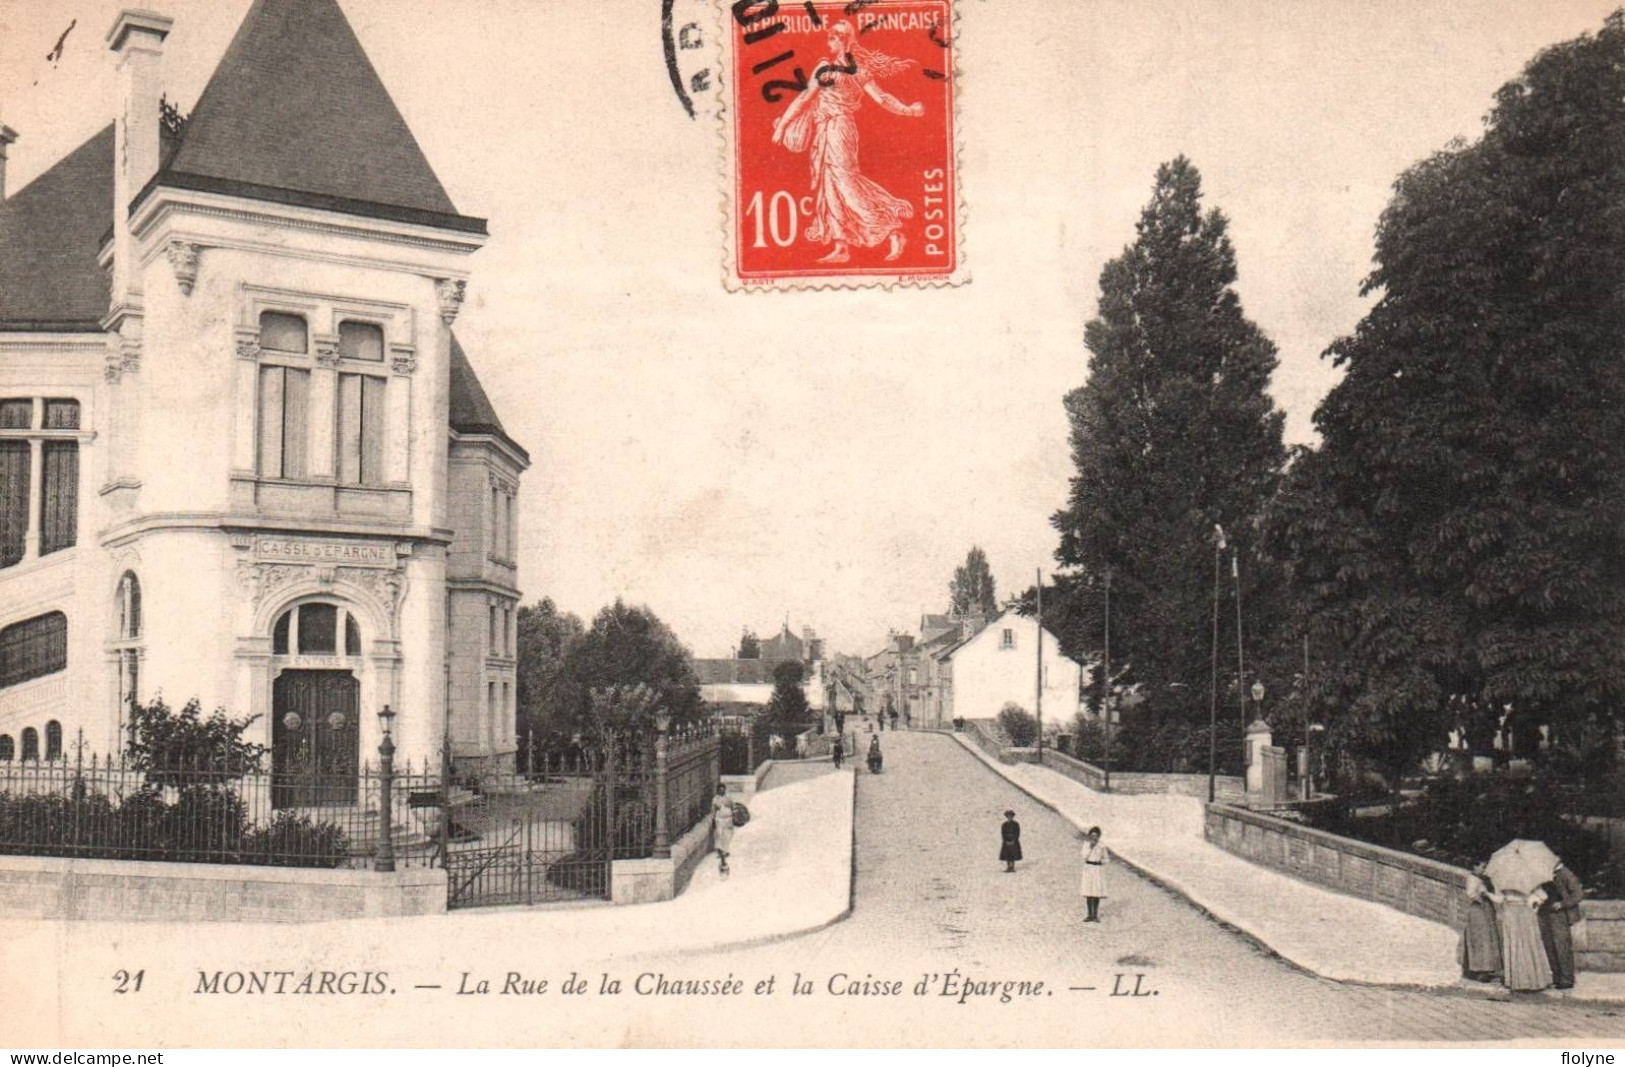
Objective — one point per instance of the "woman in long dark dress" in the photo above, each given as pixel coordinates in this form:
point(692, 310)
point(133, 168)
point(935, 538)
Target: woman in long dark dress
point(1010, 836)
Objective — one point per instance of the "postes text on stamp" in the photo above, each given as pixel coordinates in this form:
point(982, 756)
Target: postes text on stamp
point(839, 129)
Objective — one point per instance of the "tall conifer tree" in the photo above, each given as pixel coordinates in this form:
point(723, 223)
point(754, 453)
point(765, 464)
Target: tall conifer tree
point(1172, 433)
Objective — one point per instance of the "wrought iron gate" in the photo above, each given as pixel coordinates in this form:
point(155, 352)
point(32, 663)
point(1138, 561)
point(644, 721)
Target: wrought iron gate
point(547, 838)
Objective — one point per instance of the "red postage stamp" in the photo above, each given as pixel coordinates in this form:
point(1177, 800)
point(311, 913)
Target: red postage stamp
point(839, 126)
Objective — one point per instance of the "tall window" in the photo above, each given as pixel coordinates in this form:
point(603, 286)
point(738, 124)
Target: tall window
point(8, 748)
point(56, 507)
point(1007, 639)
point(128, 644)
point(53, 740)
point(361, 429)
point(284, 401)
point(30, 743)
point(33, 648)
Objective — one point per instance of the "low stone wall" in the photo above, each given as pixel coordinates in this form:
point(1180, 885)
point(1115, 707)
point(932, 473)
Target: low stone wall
point(41, 887)
point(1409, 883)
point(1227, 789)
point(648, 880)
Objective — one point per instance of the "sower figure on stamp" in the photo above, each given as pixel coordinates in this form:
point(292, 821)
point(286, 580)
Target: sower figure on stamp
point(1010, 842)
point(848, 208)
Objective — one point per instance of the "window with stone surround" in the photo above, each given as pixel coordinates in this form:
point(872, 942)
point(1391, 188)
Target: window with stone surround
point(39, 477)
point(284, 395)
point(360, 434)
point(33, 648)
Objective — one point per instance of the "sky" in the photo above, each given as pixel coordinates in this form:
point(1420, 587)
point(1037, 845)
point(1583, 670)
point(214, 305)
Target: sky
point(828, 458)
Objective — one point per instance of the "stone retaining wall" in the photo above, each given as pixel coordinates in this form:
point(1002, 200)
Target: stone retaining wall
point(42, 887)
point(1137, 783)
point(1412, 884)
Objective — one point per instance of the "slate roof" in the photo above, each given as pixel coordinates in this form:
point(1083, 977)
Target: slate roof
point(471, 410)
point(296, 113)
point(734, 671)
point(50, 234)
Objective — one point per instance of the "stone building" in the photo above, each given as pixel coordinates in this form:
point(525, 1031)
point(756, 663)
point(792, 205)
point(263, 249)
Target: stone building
point(242, 455)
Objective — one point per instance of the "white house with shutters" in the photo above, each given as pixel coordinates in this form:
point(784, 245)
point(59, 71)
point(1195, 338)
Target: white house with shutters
point(243, 456)
point(999, 664)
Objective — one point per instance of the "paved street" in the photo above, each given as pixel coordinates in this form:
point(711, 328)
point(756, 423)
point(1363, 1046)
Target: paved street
point(931, 899)
point(930, 895)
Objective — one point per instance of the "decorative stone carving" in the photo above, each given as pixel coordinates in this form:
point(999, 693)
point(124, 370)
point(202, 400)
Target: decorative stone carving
point(504, 483)
point(248, 344)
point(327, 351)
point(451, 292)
point(123, 355)
point(183, 257)
point(385, 586)
point(403, 361)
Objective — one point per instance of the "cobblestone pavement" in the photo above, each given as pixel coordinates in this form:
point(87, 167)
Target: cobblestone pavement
point(930, 896)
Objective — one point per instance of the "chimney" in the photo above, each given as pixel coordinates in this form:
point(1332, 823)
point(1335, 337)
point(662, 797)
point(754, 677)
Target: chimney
point(8, 136)
point(137, 38)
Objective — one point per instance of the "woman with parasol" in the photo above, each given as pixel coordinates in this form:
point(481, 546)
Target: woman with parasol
point(1518, 869)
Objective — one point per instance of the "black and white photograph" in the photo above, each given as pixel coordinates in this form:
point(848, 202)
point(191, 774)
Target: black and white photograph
point(812, 524)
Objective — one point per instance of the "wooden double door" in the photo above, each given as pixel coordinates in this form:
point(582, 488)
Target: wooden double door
point(315, 739)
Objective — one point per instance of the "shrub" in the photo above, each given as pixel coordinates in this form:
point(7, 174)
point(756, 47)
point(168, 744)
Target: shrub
point(296, 841)
point(205, 824)
point(1019, 726)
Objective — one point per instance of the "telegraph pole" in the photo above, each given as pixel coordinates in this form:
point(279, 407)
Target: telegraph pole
point(1106, 684)
point(1039, 684)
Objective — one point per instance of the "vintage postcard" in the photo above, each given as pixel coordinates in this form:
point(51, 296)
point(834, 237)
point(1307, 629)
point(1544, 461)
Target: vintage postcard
point(445, 603)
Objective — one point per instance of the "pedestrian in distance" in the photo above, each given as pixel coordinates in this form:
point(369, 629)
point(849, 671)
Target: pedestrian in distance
point(875, 758)
point(722, 827)
point(1093, 881)
point(1010, 842)
point(837, 751)
point(1557, 914)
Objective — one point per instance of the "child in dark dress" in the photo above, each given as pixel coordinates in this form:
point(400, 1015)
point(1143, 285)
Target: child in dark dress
point(1010, 836)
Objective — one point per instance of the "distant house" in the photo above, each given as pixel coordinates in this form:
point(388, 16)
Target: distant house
point(743, 684)
point(998, 664)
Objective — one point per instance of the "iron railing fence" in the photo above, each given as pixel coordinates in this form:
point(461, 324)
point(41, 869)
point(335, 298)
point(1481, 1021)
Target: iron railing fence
point(199, 810)
point(693, 769)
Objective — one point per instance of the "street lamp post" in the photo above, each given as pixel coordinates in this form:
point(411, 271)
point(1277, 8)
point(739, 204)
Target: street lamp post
point(384, 861)
point(1213, 690)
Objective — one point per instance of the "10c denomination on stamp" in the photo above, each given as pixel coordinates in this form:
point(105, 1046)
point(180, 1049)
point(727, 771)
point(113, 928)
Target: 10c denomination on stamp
point(839, 132)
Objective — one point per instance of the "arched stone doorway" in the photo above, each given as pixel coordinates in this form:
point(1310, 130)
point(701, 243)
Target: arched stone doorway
point(315, 706)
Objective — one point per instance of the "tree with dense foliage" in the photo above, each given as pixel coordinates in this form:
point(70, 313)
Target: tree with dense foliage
point(788, 704)
point(750, 646)
point(625, 646)
point(1459, 536)
point(1172, 433)
point(546, 638)
point(971, 590)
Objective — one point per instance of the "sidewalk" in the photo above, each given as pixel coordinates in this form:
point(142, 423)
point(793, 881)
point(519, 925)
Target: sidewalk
point(1326, 933)
point(799, 835)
